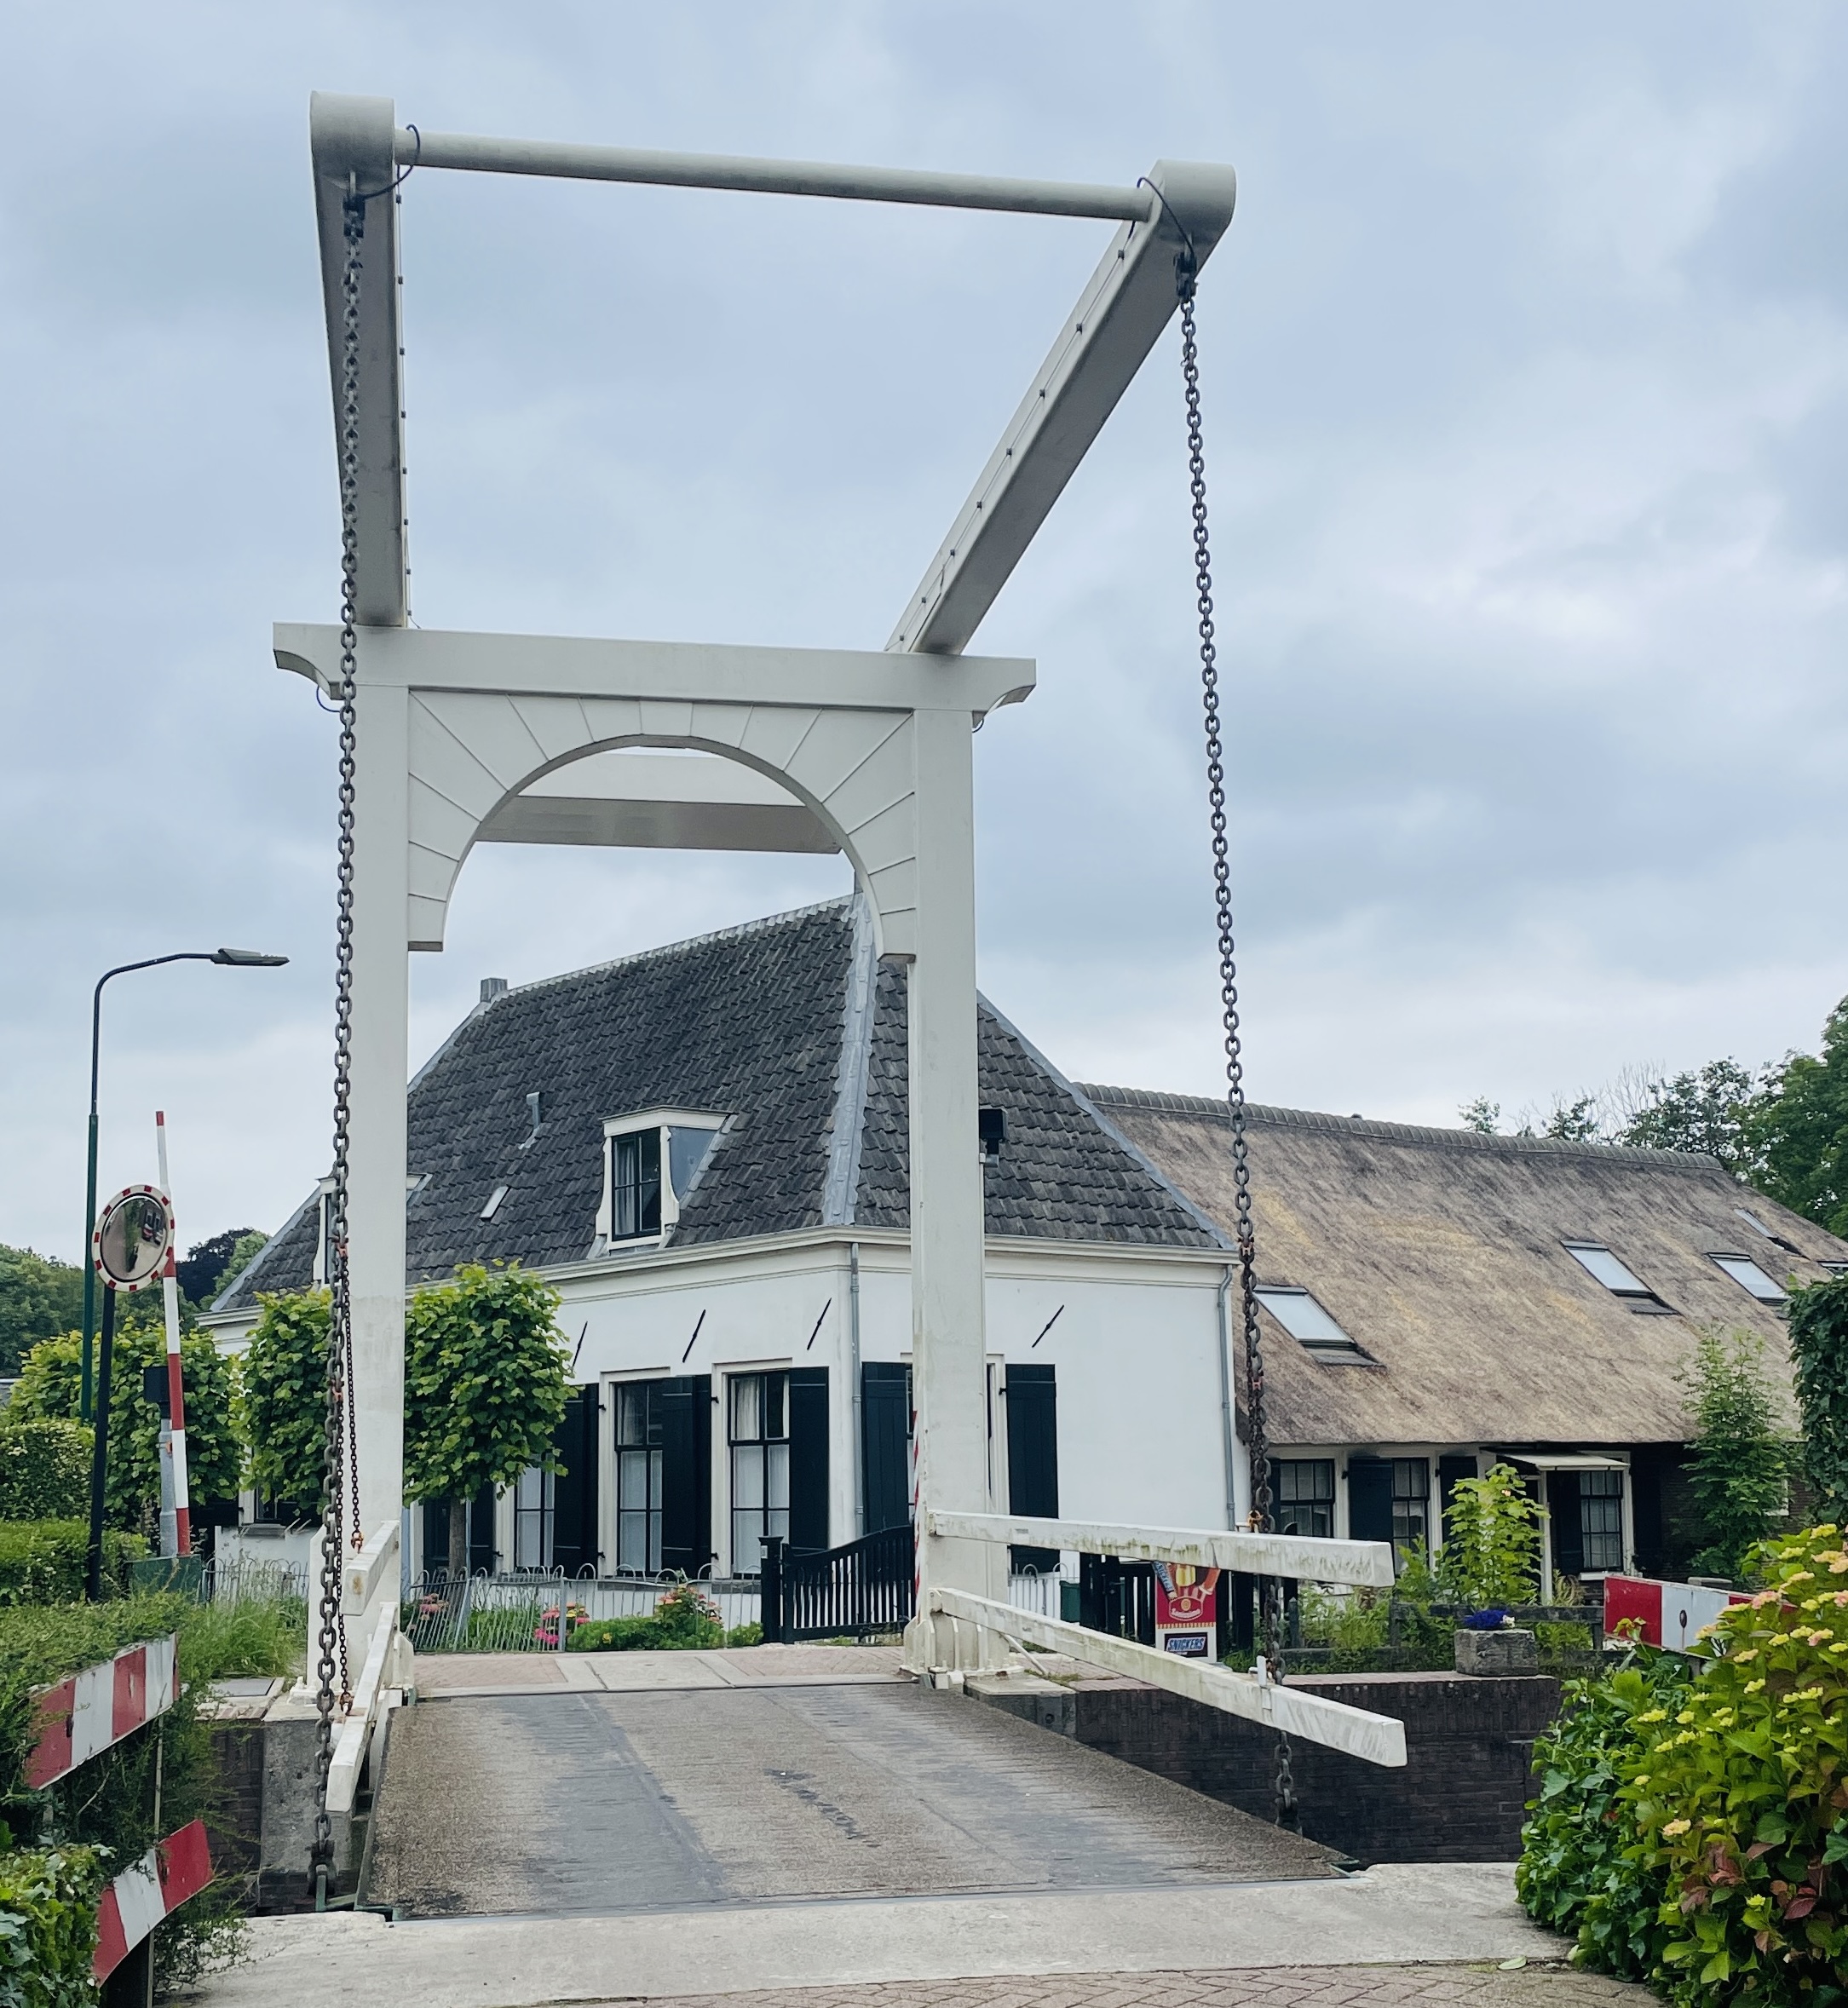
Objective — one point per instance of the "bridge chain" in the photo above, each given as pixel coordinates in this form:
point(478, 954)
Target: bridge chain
point(1186, 272)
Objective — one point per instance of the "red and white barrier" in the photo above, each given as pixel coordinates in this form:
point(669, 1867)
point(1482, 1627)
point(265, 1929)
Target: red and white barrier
point(1670, 1614)
point(147, 1892)
point(83, 1715)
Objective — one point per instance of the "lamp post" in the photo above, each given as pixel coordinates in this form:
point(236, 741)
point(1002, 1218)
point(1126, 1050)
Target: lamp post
point(233, 959)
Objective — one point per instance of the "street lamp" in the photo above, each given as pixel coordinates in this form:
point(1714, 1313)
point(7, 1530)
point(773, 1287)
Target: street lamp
point(230, 958)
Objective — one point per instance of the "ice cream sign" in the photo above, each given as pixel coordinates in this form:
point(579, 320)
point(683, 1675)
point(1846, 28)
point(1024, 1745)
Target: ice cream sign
point(1186, 1611)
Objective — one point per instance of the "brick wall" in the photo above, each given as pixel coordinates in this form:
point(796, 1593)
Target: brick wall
point(1461, 1797)
point(236, 1820)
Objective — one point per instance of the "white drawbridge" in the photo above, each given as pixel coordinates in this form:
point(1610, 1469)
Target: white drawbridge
point(456, 739)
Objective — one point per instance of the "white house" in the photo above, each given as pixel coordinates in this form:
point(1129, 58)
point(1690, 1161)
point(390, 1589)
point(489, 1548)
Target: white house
point(703, 1149)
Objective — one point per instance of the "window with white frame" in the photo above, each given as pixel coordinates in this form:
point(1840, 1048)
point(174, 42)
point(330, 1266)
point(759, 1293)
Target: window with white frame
point(635, 1185)
point(1411, 1503)
point(1305, 1501)
point(638, 1477)
point(758, 1433)
point(535, 1498)
point(1601, 1519)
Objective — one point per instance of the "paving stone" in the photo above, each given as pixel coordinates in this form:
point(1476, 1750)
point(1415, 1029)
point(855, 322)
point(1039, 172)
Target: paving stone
point(1535, 1986)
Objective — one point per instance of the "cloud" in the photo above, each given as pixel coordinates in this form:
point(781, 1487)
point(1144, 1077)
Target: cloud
point(1525, 369)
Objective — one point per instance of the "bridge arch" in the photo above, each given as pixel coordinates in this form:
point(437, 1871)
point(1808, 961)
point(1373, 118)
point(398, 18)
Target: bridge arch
point(470, 752)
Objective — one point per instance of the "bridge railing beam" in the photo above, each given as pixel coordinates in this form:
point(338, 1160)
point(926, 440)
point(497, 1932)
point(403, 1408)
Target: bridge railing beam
point(1360, 1564)
point(1375, 1739)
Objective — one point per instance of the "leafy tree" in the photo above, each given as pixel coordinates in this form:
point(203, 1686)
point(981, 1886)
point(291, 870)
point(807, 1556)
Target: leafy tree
point(51, 1384)
point(1819, 1348)
point(209, 1265)
point(1574, 1122)
point(1708, 1109)
point(1740, 1460)
point(38, 1296)
point(1800, 1130)
point(485, 1388)
point(286, 1399)
point(1482, 1115)
point(1491, 1553)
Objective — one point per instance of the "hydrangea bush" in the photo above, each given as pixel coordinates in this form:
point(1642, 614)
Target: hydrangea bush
point(1700, 1841)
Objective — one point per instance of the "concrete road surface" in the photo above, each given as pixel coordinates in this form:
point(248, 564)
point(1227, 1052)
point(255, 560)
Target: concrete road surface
point(575, 1803)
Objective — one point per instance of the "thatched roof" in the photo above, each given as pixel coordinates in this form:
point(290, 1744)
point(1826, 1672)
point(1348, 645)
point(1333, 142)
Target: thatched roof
point(1439, 1251)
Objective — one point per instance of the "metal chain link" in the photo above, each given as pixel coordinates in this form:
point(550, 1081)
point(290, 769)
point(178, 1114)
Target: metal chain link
point(332, 1638)
point(1186, 269)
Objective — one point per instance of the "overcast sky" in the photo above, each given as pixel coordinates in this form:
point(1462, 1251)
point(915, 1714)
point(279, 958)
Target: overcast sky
point(1527, 397)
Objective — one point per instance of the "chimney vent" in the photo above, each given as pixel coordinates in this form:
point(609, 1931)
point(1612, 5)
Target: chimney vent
point(492, 988)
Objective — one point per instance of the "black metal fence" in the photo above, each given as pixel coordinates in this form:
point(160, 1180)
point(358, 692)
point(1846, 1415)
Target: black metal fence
point(861, 1590)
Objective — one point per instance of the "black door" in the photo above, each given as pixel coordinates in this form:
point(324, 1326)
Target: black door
point(1033, 1458)
point(575, 1548)
point(686, 1408)
point(807, 1459)
point(885, 1443)
point(1568, 1514)
point(1369, 1499)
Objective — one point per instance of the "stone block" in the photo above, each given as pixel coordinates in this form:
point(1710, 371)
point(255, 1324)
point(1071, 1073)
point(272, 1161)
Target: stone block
point(1502, 1654)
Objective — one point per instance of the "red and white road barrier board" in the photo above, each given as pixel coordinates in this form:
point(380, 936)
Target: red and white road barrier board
point(83, 1715)
point(1671, 1615)
point(143, 1896)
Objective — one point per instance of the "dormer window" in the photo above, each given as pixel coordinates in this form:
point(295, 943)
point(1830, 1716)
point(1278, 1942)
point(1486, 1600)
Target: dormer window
point(651, 1161)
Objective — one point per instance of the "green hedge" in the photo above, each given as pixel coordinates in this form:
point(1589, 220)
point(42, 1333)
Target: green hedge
point(44, 1469)
point(47, 1562)
point(1697, 1837)
point(48, 1926)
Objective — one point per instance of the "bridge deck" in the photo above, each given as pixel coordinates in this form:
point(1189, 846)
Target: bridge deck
point(750, 1779)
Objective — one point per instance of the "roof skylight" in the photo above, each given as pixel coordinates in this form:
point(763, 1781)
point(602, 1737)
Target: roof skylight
point(1306, 1321)
point(1598, 1261)
point(1747, 1273)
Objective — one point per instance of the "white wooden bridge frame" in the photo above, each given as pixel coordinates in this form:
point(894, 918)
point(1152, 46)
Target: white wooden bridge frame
point(463, 739)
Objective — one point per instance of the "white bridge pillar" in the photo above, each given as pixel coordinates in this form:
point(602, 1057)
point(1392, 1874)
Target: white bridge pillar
point(949, 1350)
point(377, 1135)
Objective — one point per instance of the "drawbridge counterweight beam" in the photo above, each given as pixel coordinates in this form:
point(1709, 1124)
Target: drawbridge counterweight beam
point(1179, 206)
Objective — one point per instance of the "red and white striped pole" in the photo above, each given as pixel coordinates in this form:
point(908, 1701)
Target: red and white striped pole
point(169, 1290)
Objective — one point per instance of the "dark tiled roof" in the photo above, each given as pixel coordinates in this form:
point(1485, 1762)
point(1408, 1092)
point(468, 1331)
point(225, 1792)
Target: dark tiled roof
point(1061, 1175)
point(760, 1024)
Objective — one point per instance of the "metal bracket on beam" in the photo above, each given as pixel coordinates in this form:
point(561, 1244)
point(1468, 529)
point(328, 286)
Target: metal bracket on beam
point(1375, 1739)
point(1121, 313)
point(1364, 1564)
point(350, 140)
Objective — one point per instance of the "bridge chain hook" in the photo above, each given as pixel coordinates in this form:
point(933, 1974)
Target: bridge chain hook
point(1271, 1603)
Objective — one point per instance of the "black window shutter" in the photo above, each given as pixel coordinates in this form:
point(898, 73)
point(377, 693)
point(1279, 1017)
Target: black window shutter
point(481, 1534)
point(885, 1443)
point(437, 1537)
point(1451, 1473)
point(807, 1459)
point(685, 1412)
point(1369, 1499)
point(1033, 1458)
point(574, 1489)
